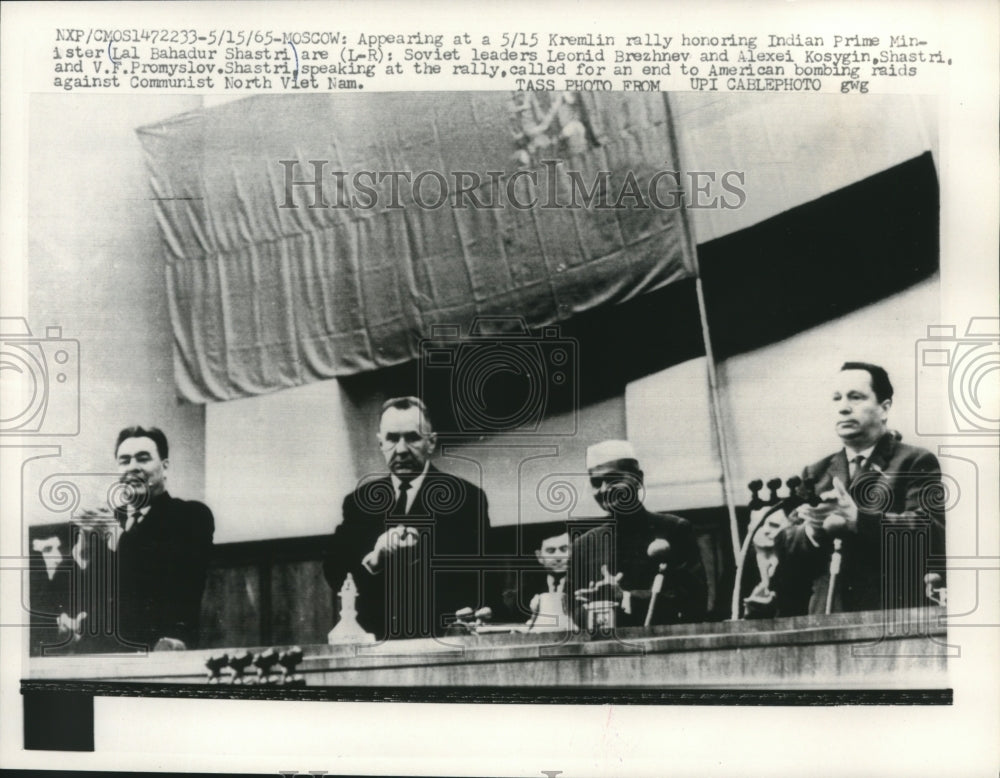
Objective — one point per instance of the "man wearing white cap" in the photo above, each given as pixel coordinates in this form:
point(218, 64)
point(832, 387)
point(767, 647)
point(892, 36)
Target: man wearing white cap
point(619, 560)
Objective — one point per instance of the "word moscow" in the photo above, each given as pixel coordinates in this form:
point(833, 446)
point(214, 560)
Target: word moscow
point(549, 187)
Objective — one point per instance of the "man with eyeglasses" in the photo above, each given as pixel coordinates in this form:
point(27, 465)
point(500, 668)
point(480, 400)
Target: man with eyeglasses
point(411, 539)
point(622, 560)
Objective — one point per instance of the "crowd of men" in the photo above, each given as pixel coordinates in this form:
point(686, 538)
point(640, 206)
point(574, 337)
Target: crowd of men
point(410, 543)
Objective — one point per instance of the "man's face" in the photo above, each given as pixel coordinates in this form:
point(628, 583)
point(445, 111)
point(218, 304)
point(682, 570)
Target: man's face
point(553, 554)
point(768, 531)
point(617, 486)
point(860, 418)
point(141, 469)
point(406, 441)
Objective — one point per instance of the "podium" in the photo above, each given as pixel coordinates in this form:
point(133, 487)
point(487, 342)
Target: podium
point(805, 652)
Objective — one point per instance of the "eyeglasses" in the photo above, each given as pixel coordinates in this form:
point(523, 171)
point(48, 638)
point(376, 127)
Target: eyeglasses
point(611, 479)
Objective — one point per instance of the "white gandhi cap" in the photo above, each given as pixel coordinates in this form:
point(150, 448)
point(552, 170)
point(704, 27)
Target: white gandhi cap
point(609, 451)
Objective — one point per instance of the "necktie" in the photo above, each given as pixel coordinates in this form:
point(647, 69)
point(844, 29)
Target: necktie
point(855, 467)
point(399, 509)
point(556, 583)
point(133, 518)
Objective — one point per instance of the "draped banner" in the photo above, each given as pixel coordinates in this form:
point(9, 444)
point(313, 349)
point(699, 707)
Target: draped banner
point(309, 237)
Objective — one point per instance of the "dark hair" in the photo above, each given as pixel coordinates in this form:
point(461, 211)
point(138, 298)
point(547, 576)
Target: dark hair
point(881, 384)
point(153, 433)
point(404, 404)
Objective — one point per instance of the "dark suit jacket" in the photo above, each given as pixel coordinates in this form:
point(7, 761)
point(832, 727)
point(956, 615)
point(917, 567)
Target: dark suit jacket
point(162, 563)
point(793, 592)
point(898, 479)
point(48, 591)
point(621, 544)
point(417, 593)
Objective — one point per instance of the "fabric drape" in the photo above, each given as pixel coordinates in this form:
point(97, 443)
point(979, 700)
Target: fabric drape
point(266, 292)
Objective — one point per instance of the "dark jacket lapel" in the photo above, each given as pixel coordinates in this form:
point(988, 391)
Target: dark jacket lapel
point(838, 469)
point(883, 453)
point(419, 507)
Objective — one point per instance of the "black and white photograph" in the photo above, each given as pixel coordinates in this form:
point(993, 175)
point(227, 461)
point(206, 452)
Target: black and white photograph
point(557, 388)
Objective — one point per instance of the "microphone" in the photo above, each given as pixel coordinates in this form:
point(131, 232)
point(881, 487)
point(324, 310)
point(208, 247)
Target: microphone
point(658, 550)
point(289, 660)
point(265, 662)
point(807, 492)
point(468, 620)
point(934, 590)
point(464, 623)
point(239, 663)
point(773, 486)
point(215, 664)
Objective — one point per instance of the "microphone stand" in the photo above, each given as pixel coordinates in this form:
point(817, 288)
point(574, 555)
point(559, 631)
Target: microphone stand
point(835, 559)
point(654, 592)
point(658, 550)
point(754, 525)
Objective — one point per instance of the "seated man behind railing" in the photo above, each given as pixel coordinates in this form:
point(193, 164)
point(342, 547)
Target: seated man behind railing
point(622, 561)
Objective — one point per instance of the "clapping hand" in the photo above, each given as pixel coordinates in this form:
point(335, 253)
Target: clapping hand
point(90, 521)
point(606, 589)
point(396, 538)
point(760, 602)
point(835, 516)
point(389, 543)
point(71, 626)
point(843, 516)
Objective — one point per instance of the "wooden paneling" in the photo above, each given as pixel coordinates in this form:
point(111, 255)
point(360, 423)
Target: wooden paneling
point(302, 605)
point(231, 607)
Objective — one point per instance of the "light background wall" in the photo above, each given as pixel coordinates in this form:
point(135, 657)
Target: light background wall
point(794, 148)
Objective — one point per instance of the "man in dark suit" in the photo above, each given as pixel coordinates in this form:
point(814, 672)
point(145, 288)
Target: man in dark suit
point(410, 540)
point(759, 569)
point(619, 560)
point(164, 549)
point(49, 588)
point(154, 552)
point(553, 556)
point(875, 489)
